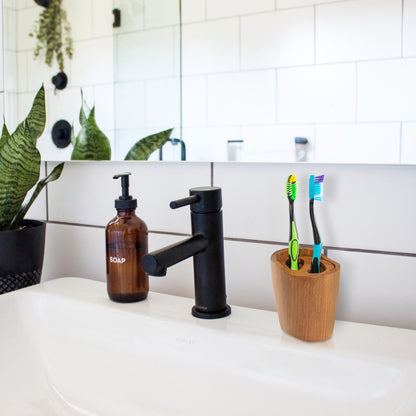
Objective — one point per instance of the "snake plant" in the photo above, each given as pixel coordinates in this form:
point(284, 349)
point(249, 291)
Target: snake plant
point(142, 149)
point(20, 165)
point(92, 144)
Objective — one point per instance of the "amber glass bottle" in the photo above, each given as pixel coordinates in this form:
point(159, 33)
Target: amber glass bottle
point(126, 243)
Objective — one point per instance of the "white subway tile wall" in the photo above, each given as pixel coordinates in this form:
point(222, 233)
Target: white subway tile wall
point(193, 10)
point(218, 8)
point(369, 232)
point(363, 142)
point(158, 13)
point(369, 280)
point(386, 90)
point(286, 39)
point(409, 143)
point(358, 208)
point(339, 61)
point(72, 251)
point(243, 97)
point(162, 114)
point(316, 94)
point(267, 143)
point(358, 30)
point(194, 98)
point(211, 46)
point(148, 184)
point(409, 28)
point(211, 141)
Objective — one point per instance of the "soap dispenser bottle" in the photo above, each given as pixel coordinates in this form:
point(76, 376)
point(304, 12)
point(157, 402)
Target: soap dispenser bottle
point(126, 243)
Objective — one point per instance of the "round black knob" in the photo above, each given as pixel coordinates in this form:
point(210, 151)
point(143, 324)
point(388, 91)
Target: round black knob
point(61, 134)
point(43, 3)
point(60, 80)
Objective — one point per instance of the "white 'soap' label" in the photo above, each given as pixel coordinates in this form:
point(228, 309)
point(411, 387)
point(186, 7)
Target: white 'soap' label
point(117, 260)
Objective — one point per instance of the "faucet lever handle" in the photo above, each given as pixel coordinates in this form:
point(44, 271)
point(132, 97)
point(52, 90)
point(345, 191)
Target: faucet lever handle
point(185, 201)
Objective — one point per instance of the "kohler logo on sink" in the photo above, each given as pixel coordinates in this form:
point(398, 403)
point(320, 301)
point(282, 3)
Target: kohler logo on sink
point(117, 259)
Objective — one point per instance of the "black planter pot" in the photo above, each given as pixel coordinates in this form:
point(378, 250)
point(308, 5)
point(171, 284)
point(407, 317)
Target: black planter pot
point(21, 256)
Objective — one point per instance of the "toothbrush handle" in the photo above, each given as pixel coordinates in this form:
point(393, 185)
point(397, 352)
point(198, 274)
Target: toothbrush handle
point(316, 258)
point(294, 248)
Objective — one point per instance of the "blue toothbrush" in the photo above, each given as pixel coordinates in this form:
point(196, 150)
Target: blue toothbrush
point(315, 194)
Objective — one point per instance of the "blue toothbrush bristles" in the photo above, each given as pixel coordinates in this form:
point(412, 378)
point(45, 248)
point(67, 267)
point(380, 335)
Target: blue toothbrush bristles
point(317, 191)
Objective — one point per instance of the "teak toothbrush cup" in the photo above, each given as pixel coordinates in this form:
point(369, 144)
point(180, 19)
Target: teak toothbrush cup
point(306, 302)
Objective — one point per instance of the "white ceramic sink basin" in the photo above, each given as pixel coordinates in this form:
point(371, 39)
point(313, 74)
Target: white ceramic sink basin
point(67, 350)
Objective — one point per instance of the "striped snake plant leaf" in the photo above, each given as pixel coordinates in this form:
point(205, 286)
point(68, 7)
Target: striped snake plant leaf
point(90, 143)
point(4, 135)
point(146, 146)
point(82, 112)
point(53, 176)
point(20, 160)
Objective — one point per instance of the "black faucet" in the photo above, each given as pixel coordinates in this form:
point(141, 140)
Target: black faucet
point(206, 246)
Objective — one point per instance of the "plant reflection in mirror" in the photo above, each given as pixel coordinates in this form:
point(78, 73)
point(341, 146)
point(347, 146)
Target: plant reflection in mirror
point(92, 144)
point(52, 32)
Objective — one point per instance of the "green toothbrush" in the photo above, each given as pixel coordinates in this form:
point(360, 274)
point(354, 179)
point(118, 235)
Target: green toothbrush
point(291, 190)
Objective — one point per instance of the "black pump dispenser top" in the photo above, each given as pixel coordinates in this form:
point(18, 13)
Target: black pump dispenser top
point(125, 201)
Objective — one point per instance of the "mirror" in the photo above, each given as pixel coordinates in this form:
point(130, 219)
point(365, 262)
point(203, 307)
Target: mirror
point(249, 81)
point(129, 72)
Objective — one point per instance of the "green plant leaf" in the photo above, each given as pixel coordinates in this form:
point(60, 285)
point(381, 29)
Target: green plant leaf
point(53, 176)
point(20, 160)
point(52, 34)
point(36, 118)
point(73, 138)
point(83, 119)
point(4, 135)
point(91, 143)
point(146, 146)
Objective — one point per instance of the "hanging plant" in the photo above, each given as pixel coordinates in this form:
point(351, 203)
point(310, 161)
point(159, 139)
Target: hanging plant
point(52, 32)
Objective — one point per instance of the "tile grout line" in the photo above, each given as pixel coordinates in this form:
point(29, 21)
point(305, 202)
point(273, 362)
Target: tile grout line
point(369, 251)
point(254, 241)
point(296, 66)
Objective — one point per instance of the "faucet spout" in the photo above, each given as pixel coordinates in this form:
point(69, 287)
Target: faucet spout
point(157, 262)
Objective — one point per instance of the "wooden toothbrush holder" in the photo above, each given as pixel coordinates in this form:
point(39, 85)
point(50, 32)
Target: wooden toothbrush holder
point(306, 302)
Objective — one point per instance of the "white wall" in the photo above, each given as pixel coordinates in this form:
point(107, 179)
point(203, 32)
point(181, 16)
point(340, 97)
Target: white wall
point(366, 224)
point(339, 72)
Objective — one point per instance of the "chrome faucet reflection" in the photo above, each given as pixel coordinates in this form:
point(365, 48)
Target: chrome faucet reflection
point(207, 248)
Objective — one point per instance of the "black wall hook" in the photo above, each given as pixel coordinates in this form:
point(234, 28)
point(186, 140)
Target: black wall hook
point(61, 134)
point(60, 80)
point(43, 3)
point(117, 17)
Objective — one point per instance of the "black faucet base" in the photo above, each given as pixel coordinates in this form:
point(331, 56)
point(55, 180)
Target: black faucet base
point(211, 315)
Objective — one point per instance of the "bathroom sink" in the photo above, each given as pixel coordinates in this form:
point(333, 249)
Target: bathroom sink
point(67, 350)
